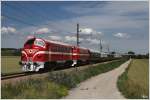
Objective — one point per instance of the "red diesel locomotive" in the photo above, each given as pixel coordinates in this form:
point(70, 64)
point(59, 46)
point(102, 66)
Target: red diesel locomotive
point(37, 53)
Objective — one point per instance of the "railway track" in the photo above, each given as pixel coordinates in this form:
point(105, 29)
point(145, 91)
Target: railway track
point(22, 74)
point(14, 75)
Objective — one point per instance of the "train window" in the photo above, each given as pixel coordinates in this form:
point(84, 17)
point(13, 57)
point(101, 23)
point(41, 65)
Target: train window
point(39, 42)
point(59, 49)
point(56, 49)
point(66, 50)
point(30, 42)
point(62, 49)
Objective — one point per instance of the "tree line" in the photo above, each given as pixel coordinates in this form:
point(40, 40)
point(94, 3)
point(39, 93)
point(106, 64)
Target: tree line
point(10, 51)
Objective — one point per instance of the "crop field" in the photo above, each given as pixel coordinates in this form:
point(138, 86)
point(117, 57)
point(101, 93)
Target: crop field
point(134, 83)
point(10, 64)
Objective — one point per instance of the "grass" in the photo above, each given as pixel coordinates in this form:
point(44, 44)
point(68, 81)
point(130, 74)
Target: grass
point(10, 64)
point(33, 89)
point(71, 79)
point(56, 85)
point(134, 82)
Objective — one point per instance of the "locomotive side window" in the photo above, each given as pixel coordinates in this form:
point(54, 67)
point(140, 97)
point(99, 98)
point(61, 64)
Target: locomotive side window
point(40, 43)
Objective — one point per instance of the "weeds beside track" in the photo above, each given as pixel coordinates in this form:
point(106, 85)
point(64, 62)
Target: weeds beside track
point(71, 79)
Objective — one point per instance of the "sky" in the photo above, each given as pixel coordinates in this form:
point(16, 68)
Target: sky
point(121, 26)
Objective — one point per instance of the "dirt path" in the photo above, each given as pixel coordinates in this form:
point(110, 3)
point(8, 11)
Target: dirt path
point(102, 86)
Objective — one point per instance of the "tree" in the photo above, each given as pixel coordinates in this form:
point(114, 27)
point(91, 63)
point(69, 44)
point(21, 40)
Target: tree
point(147, 55)
point(131, 53)
point(113, 52)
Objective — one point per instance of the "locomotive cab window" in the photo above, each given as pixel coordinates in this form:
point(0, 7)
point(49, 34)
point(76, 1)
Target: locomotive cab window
point(39, 42)
point(29, 43)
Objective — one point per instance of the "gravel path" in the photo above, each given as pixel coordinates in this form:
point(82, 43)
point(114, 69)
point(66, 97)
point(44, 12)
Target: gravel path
point(103, 86)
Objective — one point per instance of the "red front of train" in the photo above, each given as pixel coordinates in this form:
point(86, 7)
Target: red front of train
point(37, 52)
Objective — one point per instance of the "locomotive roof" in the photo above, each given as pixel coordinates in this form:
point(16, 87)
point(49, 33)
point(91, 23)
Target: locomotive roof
point(61, 43)
point(57, 42)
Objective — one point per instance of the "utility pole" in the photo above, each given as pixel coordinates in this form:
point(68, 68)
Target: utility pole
point(77, 40)
point(101, 46)
point(108, 48)
point(77, 34)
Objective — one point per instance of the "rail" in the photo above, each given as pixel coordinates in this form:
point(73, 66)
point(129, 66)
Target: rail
point(14, 75)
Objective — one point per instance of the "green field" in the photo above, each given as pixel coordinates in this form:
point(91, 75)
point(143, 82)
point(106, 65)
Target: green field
point(134, 83)
point(10, 64)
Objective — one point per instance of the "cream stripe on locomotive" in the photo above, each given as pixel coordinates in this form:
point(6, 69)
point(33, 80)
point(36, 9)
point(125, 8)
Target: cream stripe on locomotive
point(49, 52)
point(24, 53)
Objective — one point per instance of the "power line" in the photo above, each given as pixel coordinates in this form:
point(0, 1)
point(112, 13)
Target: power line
point(16, 9)
point(27, 13)
point(18, 20)
point(20, 9)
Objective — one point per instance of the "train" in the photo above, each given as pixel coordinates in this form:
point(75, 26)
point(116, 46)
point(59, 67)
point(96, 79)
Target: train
point(38, 54)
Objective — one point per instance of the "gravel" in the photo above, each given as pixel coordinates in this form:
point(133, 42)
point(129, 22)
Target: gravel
point(103, 86)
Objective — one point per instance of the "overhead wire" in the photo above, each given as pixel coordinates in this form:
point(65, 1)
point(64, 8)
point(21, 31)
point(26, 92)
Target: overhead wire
point(18, 20)
point(27, 12)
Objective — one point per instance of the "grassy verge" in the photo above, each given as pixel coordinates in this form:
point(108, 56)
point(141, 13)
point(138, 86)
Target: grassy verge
point(56, 85)
point(10, 64)
point(33, 89)
point(71, 79)
point(133, 83)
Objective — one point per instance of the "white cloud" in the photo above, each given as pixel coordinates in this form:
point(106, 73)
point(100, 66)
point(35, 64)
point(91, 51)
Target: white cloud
point(56, 38)
point(2, 17)
point(8, 30)
point(70, 38)
point(89, 31)
point(100, 33)
point(86, 31)
point(94, 41)
point(42, 30)
point(121, 35)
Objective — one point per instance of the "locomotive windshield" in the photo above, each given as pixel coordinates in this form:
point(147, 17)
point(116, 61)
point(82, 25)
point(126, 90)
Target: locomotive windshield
point(29, 43)
point(39, 42)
